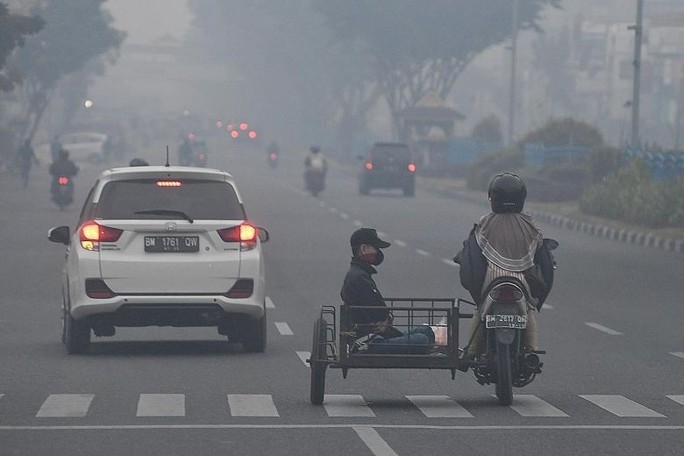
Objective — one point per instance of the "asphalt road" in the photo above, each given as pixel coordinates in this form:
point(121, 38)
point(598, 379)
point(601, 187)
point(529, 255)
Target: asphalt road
point(612, 381)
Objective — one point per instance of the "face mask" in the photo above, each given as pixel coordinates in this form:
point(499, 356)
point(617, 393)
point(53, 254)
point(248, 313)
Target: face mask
point(372, 258)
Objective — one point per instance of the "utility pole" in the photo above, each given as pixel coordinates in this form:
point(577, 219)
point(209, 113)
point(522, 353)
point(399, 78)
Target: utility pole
point(514, 43)
point(638, 32)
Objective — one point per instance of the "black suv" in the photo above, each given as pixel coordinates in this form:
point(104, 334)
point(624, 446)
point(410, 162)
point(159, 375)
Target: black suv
point(388, 165)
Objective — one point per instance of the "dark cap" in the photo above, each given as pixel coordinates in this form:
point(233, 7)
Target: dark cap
point(367, 236)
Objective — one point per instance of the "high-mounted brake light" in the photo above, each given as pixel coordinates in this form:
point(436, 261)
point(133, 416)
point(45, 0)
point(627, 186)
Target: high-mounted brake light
point(169, 183)
point(368, 166)
point(91, 234)
point(411, 167)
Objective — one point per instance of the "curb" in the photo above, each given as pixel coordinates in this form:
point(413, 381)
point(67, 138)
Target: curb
point(644, 239)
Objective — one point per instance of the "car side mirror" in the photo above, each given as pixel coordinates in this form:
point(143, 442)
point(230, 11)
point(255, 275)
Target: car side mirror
point(263, 234)
point(59, 234)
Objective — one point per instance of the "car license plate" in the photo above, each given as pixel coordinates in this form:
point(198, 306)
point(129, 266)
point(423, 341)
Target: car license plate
point(506, 321)
point(161, 244)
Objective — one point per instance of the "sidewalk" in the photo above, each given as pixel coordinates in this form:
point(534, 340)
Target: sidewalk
point(567, 215)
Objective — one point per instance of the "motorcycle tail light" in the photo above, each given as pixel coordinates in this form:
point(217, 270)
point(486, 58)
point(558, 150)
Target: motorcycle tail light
point(91, 234)
point(63, 180)
point(368, 166)
point(274, 156)
point(411, 167)
point(506, 293)
point(243, 288)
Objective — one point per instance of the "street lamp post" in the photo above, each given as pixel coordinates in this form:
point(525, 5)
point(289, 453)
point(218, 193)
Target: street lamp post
point(511, 102)
point(638, 30)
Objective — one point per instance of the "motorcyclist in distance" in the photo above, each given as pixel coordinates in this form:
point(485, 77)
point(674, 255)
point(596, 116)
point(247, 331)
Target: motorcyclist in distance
point(315, 161)
point(185, 153)
point(62, 167)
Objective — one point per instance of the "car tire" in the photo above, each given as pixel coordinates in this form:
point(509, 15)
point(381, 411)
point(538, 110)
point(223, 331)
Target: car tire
point(76, 335)
point(254, 337)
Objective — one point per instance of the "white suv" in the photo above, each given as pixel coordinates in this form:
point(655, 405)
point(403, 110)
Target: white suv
point(163, 246)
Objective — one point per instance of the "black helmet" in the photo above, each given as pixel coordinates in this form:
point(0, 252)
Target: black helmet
point(507, 193)
point(314, 149)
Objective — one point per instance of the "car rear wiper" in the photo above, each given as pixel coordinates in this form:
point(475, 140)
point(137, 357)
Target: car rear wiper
point(180, 214)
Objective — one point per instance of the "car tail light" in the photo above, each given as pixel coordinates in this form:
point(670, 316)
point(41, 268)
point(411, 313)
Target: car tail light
point(368, 166)
point(63, 180)
point(245, 234)
point(234, 134)
point(252, 135)
point(411, 167)
point(243, 288)
point(91, 234)
point(98, 289)
point(506, 293)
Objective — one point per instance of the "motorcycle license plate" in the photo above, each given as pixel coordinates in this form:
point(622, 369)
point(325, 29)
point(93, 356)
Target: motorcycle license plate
point(506, 321)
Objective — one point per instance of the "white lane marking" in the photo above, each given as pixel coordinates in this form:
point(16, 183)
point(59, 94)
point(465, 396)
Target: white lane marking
point(422, 252)
point(529, 405)
point(400, 243)
point(621, 406)
point(439, 407)
point(251, 405)
point(677, 354)
point(677, 398)
point(284, 328)
point(332, 210)
point(161, 405)
point(373, 441)
point(432, 427)
point(382, 234)
point(344, 215)
point(321, 203)
point(450, 262)
point(269, 303)
point(358, 223)
point(304, 356)
point(548, 306)
point(602, 328)
point(65, 405)
point(346, 405)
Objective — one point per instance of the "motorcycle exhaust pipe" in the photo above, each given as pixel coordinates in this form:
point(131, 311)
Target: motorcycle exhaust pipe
point(532, 361)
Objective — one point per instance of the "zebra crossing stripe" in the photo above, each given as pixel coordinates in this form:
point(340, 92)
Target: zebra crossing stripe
point(677, 398)
point(161, 405)
point(529, 405)
point(373, 441)
point(621, 406)
point(439, 407)
point(65, 405)
point(252, 405)
point(346, 405)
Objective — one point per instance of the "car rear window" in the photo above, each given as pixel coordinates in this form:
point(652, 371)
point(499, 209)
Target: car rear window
point(390, 153)
point(199, 199)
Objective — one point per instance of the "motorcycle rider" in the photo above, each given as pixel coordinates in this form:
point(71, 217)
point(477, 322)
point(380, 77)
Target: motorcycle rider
point(505, 243)
point(25, 159)
point(373, 326)
point(62, 167)
point(315, 167)
point(185, 153)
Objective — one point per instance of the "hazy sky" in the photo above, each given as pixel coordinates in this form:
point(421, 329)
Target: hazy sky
point(148, 20)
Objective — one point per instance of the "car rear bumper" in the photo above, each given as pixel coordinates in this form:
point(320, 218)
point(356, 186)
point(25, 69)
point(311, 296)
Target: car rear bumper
point(387, 180)
point(166, 310)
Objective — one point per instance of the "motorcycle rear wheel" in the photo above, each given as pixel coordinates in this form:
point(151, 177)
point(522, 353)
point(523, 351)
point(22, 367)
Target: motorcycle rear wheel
point(504, 382)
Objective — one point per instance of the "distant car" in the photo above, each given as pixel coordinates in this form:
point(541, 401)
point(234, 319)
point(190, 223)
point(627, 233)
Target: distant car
point(388, 165)
point(163, 246)
point(85, 147)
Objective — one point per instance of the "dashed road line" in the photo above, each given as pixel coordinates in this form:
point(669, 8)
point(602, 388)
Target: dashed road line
point(422, 252)
point(358, 223)
point(252, 405)
point(269, 303)
point(450, 262)
point(439, 407)
point(284, 328)
point(602, 328)
point(65, 405)
point(400, 243)
point(304, 356)
point(677, 354)
point(344, 215)
point(677, 398)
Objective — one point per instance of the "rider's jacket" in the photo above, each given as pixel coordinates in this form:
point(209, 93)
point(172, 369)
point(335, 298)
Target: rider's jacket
point(63, 168)
point(359, 289)
point(315, 162)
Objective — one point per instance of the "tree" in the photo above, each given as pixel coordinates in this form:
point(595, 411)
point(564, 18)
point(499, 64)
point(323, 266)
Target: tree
point(75, 34)
point(417, 46)
point(13, 30)
point(565, 132)
point(488, 130)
